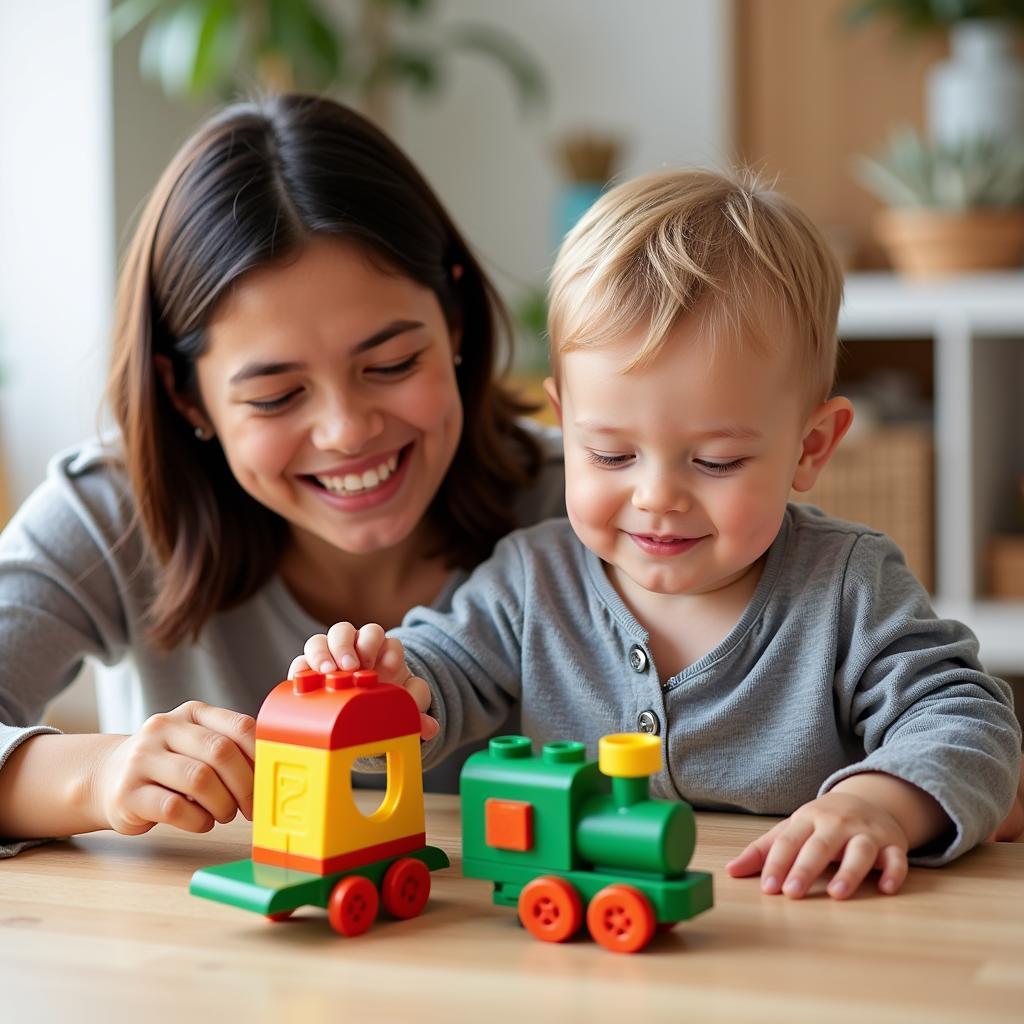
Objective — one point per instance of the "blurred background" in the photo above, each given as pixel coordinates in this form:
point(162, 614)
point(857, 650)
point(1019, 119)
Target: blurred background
point(898, 124)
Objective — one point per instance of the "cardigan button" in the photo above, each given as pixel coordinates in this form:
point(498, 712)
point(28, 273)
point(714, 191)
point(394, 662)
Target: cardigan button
point(638, 660)
point(647, 721)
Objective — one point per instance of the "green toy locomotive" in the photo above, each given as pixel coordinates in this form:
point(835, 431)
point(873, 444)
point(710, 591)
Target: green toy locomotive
point(562, 837)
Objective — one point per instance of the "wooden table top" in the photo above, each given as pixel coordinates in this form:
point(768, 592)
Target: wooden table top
point(103, 928)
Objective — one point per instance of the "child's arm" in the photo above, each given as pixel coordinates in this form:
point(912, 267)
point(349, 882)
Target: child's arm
point(867, 821)
point(187, 768)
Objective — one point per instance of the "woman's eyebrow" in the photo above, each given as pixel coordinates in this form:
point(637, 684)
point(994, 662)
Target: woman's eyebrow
point(269, 369)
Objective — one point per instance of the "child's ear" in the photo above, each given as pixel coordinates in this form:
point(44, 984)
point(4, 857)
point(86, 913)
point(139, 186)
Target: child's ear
point(824, 430)
point(185, 408)
point(551, 390)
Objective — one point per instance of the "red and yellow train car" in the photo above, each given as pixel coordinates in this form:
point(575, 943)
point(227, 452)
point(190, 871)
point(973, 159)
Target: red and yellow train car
point(312, 845)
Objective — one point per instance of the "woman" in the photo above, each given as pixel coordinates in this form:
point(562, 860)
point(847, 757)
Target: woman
point(303, 378)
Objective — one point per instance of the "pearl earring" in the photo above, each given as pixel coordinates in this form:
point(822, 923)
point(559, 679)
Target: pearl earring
point(457, 360)
point(201, 434)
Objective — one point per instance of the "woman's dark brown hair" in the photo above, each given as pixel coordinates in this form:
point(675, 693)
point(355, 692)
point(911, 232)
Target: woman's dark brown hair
point(247, 191)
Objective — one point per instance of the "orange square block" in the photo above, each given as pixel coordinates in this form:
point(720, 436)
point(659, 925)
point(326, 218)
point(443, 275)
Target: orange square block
point(509, 824)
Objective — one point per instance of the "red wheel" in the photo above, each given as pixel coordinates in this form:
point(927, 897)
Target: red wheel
point(621, 919)
point(405, 887)
point(353, 905)
point(281, 915)
point(550, 908)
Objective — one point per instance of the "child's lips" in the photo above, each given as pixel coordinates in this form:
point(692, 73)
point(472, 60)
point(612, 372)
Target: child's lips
point(653, 544)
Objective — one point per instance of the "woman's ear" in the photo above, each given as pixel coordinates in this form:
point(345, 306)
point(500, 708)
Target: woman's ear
point(186, 409)
point(551, 390)
point(824, 430)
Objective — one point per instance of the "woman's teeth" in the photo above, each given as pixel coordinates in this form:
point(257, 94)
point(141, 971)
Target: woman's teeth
point(356, 483)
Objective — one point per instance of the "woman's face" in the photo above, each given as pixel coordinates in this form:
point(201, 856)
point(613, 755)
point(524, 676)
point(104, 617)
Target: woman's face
point(331, 388)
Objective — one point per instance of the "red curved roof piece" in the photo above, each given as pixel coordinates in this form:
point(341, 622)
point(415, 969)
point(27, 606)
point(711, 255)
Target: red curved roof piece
point(343, 709)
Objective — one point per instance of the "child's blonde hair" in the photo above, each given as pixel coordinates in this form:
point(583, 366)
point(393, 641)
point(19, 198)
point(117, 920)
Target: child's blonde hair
point(698, 242)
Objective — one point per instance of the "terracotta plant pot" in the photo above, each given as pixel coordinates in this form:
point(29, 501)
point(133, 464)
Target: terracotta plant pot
point(934, 243)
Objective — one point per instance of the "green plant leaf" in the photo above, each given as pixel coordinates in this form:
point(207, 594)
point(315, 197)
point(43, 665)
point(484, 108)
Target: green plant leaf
point(312, 47)
point(417, 67)
point(127, 16)
point(975, 173)
point(506, 51)
point(219, 47)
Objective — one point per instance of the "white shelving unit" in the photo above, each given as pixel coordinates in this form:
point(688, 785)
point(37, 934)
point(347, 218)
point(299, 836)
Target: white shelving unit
point(976, 324)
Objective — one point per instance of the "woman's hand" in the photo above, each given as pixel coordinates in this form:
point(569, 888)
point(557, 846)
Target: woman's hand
point(345, 647)
point(188, 768)
point(838, 826)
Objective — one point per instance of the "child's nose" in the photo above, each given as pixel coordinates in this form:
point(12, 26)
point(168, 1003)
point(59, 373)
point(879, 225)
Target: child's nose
point(347, 427)
point(660, 493)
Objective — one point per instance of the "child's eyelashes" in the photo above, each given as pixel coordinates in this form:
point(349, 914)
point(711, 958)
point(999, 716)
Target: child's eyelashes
point(720, 467)
point(599, 459)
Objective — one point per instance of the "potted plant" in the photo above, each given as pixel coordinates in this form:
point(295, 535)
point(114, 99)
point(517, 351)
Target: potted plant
point(951, 207)
point(979, 90)
point(218, 48)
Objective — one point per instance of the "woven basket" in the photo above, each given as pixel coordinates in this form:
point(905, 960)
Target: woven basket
point(884, 479)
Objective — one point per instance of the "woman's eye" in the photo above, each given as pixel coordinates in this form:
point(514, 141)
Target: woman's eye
point(397, 369)
point(607, 460)
point(272, 404)
point(720, 467)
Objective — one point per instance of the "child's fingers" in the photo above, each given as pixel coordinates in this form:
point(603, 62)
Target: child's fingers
point(420, 691)
point(341, 644)
point(318, 653)
point(819, 849)
point(788, 843)
point(858, 859)
point(892, 861)
point(369, 640)
point(299, 664)
point(750, 860)
point(391, 662)
point(429, 727)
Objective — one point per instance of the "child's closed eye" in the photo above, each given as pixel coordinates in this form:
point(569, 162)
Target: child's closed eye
point(600, 459)
point(720, 467)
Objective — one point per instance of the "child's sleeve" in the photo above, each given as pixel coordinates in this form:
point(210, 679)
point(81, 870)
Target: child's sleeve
point(911, 687)
point(471, 656)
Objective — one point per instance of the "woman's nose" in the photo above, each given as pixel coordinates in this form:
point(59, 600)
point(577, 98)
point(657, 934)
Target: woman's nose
point(347, 427)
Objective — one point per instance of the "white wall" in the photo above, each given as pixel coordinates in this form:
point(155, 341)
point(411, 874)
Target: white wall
point(56, 248)
point(655, 72)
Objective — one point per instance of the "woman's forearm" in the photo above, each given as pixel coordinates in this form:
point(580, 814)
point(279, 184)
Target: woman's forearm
point(46, 786)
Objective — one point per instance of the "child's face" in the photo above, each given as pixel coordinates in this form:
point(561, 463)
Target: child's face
point(677, 475)
point(332, 391)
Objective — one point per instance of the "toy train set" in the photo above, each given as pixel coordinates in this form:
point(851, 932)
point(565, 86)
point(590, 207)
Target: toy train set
point(562, 838)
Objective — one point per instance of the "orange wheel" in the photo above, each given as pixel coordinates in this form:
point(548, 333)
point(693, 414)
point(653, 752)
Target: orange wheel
point(550, 908)
point(621, 919)
point(405, 887)
point(353, 905)
point(281, 915)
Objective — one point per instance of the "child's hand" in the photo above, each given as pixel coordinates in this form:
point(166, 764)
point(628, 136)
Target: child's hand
point(1011, 830)
point(188, 768)
point(343, 646)
point(839, 827)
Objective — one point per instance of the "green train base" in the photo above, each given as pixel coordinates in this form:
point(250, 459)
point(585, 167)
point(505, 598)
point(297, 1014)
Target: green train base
point(277, 892)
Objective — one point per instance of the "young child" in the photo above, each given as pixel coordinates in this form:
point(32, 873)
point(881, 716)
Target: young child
point(790, 660)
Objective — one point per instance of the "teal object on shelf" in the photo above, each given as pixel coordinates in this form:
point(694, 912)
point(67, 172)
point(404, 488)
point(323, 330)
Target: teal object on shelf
point(574, 201)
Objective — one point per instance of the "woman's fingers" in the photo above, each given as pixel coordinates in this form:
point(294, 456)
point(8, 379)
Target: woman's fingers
point(154, 805)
